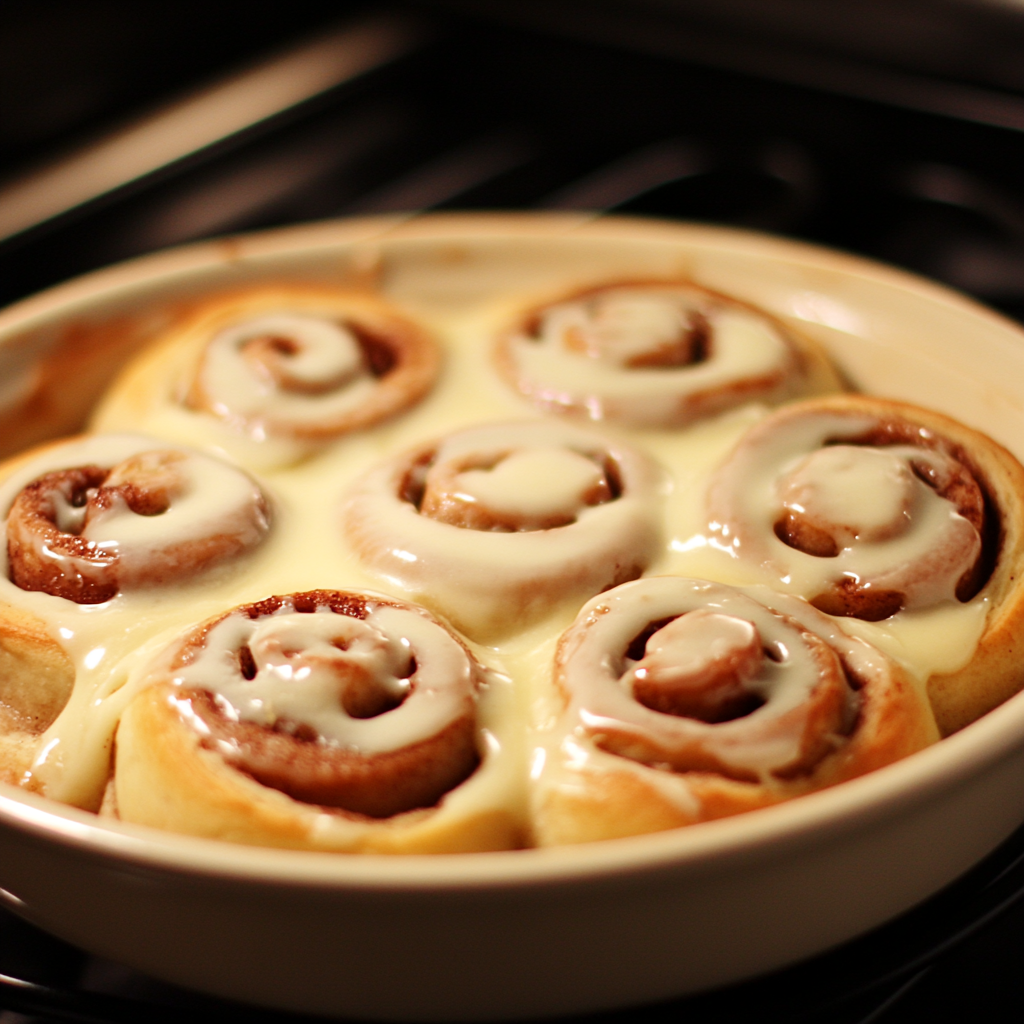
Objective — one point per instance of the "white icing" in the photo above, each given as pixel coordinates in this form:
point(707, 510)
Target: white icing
point(209, 499)
point(581, 357)
point(104, 640)
point(109, 643)
point(921, 552)
point(616, 326)
point(305, 661)
point(860, 493)
point(533, 482)
point(593, 664)
point(488, 582)
point(326, 376)
point(208, 502)
point(692, 649)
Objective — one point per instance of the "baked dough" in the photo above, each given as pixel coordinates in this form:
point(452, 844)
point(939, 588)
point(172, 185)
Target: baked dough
point(272, 374)
point(36, 680)
point(682, 700)
point(491, 536)
point(321, 720)
point(868, 507)
point(497, 525)
point(129, 518)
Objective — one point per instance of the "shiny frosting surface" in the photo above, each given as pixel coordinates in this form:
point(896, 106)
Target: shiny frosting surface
point(659, 493)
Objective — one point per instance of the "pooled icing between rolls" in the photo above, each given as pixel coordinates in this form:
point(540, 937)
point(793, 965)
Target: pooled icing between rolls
point(307, 549)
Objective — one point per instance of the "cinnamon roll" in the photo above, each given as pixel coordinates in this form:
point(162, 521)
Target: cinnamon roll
point(89, 519)
point(684, 700)
point(281, 370)
point(657, 354)
point(498, 524)
point(36, 680)
point(870, 508)
point(323, 719)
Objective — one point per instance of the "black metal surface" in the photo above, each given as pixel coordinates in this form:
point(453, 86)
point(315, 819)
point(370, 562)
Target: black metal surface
point(483, 115)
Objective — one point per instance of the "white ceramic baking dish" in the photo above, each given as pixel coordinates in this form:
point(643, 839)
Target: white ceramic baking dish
point(538, 932)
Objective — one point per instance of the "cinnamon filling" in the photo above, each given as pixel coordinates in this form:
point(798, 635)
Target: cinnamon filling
point(293, 759)
point(287, 362)
point(698, 666)
point(717, 682)
point(45, 549)
point(649, 353)
point(629, 329)
point(706, 666)
point(308, 377)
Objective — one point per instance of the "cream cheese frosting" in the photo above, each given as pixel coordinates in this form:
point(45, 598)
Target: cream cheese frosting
point(115, 643)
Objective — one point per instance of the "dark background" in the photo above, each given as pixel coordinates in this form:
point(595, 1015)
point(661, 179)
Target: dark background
point(892, 129)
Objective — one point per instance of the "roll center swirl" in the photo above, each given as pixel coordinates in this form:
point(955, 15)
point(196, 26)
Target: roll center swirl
point(698, 666)
point(305, 361)
point(865, 514)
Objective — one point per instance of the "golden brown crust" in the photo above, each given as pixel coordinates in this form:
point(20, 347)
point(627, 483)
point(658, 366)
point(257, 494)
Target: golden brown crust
point(36, 674)
point(210, 799)
point(36, 680)
point(66, 529)
point(996, 669)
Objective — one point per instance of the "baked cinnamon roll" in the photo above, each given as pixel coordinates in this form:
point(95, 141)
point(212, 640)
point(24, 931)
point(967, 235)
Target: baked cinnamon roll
point(498, 524)
point(36, 680)
point(657, 354)
point(869, 508)
point(280, 370)
point(91, 518)
point(323, 719)
point(685, 700)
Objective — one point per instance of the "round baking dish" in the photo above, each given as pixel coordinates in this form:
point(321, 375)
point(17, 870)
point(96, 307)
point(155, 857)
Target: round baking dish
point(535, 932)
